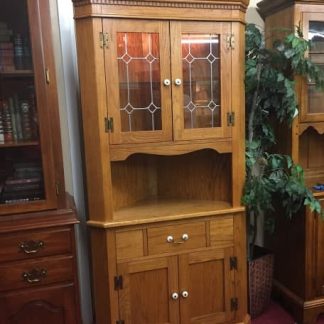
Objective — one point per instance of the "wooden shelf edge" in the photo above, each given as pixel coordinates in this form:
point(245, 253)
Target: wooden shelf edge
point(317, 126)
point(122, 152)
point(40, 219)
point(152, 220)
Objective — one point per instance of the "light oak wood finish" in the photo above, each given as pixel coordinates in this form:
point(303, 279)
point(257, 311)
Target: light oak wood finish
point(298, 243)
point(144, 184)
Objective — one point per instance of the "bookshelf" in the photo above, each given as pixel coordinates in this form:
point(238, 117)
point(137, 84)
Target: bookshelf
point(38, 270)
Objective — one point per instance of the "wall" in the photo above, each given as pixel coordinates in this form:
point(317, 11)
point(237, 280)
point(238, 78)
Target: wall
point(252, 16)
point(67, 80)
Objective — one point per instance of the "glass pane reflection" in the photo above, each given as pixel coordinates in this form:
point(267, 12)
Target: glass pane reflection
point(201, 80)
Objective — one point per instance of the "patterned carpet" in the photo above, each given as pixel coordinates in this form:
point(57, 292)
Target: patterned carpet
point(275, 314)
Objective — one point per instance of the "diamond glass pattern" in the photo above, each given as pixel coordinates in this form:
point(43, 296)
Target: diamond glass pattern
point(201, 80)
point(139, 81)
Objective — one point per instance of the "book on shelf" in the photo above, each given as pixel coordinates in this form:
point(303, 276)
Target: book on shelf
point(18, 120)
point(25, 183)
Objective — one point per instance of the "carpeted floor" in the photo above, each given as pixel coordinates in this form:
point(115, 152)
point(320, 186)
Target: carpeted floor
point(275, 314)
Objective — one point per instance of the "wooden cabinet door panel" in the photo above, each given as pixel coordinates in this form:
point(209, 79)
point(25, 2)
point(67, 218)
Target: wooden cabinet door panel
point(201, 79)
point(137, 63)
point(147, 289)
point(53, 305)
point(209, 282)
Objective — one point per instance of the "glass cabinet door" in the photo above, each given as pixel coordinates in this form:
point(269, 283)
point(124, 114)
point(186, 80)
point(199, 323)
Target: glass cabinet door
point(139, 87)
point(313, 99)
point(23, 137)
point(201, 77)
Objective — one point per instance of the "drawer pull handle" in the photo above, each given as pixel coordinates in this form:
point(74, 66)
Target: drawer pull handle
point(184, 238)
point(184, 294)
point(31, 247)
point(34, 276)
point(174, 296)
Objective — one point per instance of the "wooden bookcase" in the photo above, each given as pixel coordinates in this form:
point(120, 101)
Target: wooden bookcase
point(298, 244)
point(38, 275)
point(163, 119)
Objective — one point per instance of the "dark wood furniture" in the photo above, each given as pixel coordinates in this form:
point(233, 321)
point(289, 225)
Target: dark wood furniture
point(38, 273)
point(298, 244)
point(163, 119)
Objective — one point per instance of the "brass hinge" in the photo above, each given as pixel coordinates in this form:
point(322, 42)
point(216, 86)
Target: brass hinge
point(234, 304)
point(118, 282)
point(47, 76)
point(109, 125)
point(57, 188)
point(230, 40)
point(230, 119)
point(233, 263)
point(120, 322)
point(104, 40)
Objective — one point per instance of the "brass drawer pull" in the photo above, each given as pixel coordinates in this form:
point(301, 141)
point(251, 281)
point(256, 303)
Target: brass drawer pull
point(184, 238)
point(34, 276)
point(31, 247)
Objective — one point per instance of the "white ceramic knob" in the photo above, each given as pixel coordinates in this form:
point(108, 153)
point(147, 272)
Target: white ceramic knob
point(174, 296)
point(185, 237)
point(184, 294)
point(167, 82)
point(177, 82)
point(170, 239)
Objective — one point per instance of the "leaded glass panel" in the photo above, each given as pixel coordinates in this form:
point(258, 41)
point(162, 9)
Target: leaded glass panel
point(139, 81)
point(201, 80)
point(316, 36)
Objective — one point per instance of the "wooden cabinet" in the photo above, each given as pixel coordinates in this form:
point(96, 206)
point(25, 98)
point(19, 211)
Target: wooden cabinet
point(31, 169)
point(38, 275)
point(299, 243)
point(38, 278)
point(163, 119)
point(174, 273)
point(166, 80)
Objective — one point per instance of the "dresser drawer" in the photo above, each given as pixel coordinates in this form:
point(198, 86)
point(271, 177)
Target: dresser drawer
point(175, 238)
point(37, 272)
point(38, 243)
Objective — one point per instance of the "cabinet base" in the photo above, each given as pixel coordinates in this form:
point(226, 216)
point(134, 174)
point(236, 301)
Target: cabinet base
point(303, 311)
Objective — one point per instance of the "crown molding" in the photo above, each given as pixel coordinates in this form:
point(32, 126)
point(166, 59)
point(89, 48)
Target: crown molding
point(199, 4)
point(269, 7)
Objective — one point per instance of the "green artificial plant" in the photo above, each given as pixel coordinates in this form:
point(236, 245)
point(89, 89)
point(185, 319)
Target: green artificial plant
point(270, 99)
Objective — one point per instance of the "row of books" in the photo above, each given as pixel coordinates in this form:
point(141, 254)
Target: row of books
point(18, 119)
point(24, 184)
point(15, 51)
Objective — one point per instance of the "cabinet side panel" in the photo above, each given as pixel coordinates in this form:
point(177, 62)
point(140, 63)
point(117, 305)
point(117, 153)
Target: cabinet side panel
point(238, 107)
point(274, 25)
point(94, 111)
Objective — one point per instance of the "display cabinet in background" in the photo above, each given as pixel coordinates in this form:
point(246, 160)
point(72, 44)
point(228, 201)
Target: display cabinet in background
point(298, 244)
point(162, 95)
point(38, 281)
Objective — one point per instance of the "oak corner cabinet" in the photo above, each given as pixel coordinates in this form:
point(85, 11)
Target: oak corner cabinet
point(299, 244)
point(38, 274)
point(163, 119)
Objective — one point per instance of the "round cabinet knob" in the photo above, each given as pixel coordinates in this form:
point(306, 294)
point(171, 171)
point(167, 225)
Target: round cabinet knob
point(174, 296)
point(185, 237)
point(184, 294)
point(167, 82)
point(170, 239)
point(177, 82)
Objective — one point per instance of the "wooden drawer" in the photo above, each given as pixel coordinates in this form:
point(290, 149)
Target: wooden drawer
point(36, 272)
point(38, 243)
point(175, 238)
